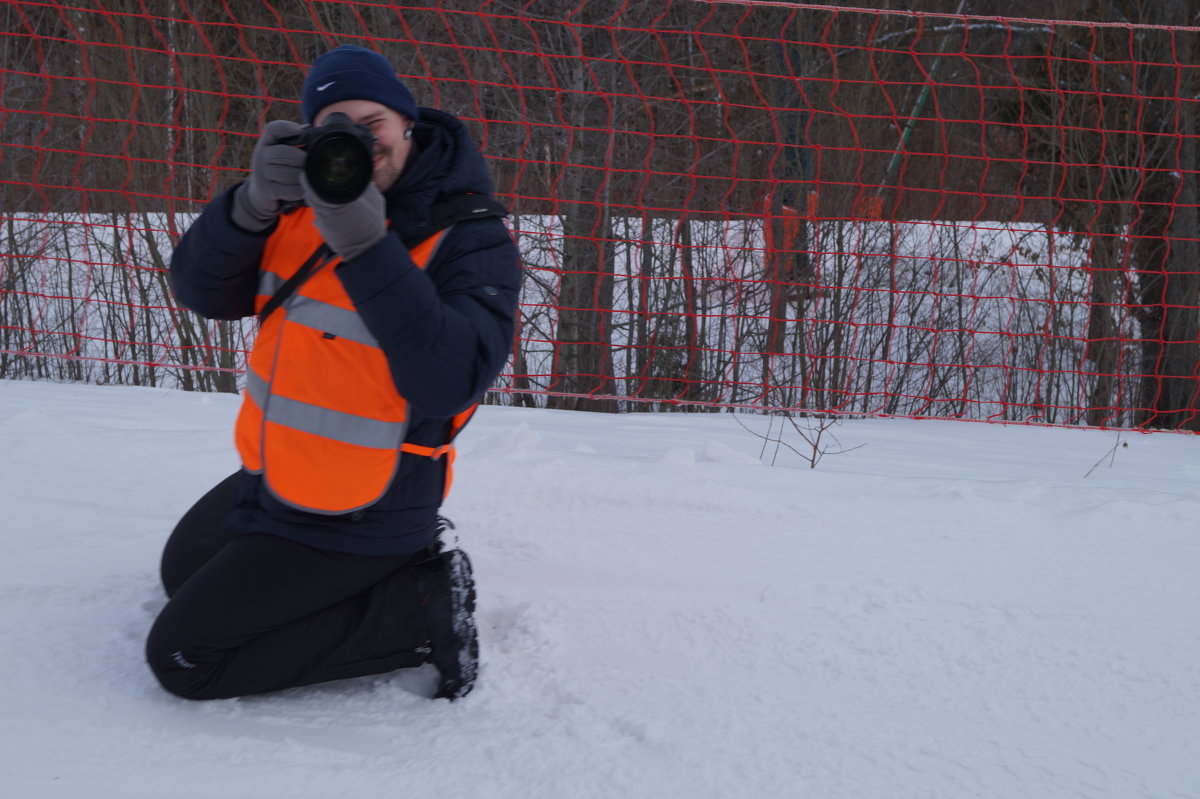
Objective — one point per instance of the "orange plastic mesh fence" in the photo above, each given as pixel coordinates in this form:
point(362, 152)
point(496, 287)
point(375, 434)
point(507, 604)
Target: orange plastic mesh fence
point(719, 205)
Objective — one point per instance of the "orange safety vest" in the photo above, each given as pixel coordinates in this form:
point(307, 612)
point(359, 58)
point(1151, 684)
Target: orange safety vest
point(321, 418)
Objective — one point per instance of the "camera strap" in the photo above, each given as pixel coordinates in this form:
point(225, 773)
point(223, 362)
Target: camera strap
point(315, 261)
point(456, 208)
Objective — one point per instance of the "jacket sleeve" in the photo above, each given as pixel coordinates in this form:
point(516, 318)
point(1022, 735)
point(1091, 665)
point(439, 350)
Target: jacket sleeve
point(446, 332)
point(214, 268)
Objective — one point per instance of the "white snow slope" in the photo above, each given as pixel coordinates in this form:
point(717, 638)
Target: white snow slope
point(950, 610)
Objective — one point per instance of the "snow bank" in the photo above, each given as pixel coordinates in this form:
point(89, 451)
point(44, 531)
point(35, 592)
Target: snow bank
point(949, 610)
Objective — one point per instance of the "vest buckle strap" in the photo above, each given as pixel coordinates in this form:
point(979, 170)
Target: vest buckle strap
point(428, 452)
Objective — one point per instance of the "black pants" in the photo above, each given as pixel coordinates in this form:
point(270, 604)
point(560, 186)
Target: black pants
point(254, 613)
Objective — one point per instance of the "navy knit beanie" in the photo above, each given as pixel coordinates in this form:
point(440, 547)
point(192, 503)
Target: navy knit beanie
point(354, 73)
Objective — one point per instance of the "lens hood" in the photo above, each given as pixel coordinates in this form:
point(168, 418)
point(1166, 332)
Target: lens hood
point(339, 160)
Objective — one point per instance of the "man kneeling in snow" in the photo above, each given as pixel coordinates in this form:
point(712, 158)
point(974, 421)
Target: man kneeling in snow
point(384, 318)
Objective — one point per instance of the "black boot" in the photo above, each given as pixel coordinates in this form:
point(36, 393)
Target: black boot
point(449, 594)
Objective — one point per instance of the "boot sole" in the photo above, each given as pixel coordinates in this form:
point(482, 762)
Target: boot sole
point(458, 674)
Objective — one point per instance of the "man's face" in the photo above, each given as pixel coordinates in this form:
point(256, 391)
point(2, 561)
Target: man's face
point(391, 148)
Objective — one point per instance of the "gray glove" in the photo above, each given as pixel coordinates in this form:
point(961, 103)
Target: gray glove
point(352, 228)
point(275, 171)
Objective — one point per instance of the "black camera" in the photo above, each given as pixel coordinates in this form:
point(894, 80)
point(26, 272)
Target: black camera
point(339, 158)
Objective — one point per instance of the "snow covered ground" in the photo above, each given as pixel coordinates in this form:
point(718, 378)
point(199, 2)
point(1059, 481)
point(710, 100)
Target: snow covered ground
point(950, 610)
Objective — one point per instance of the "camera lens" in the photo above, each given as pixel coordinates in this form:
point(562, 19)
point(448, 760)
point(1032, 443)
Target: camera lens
point(338, 167)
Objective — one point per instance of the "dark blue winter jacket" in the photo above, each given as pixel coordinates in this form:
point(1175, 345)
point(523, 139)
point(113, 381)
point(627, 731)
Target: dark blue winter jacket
point(446, 330)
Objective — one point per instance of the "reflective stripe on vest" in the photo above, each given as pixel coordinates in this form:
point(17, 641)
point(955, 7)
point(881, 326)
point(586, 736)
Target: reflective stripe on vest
point(321, 419)
point(319, 315)
point(326, 422)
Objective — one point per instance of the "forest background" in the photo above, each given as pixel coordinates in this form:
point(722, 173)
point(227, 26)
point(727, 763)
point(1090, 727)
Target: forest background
point(952, 209)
